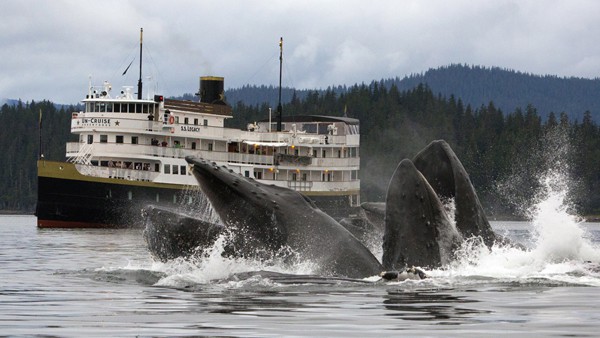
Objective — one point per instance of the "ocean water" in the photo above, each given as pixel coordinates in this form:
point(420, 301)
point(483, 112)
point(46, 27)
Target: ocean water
point(104, 283)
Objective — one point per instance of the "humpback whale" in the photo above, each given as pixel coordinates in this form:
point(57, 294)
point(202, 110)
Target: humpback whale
point(445, 173)
point(417, 229)
point(170, 233)
point(270, 220)
point(267, 218)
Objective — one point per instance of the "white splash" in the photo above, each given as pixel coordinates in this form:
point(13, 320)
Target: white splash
point(560, 251)
point(211, 265)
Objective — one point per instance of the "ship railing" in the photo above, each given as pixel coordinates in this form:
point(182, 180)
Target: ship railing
point(83, 154)
point(82, 157)
point(321, 186)
point(76, 149)
point(118, 173)
point(250, 158)
point(300, 185)
point(336, 186)
point(137, 150)
point(335, 161)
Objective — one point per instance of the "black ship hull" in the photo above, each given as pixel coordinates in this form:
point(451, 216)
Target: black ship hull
point(69, 199)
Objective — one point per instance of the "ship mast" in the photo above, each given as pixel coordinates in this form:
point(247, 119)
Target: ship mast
point(280, 67)
point(139, 93)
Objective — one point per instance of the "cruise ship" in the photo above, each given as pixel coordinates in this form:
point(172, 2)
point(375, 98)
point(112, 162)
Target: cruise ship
point(131, 153)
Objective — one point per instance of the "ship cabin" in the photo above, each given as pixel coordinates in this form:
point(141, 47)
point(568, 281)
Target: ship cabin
point(123, 137)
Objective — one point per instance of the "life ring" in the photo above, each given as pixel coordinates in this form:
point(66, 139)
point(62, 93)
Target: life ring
point(171, 119)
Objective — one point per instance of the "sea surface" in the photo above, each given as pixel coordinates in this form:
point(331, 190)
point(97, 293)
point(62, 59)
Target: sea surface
point(104, 283)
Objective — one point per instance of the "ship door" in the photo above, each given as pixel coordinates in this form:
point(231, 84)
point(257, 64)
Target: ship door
point(90, 139)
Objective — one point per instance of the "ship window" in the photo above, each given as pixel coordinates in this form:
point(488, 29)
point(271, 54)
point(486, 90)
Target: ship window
point(145, 108)
point(247, 173)
point(314, 153)
point(324, 153)
point(310, 128)
point(304, 178)
point(258, 175)
point(104, 163)
point(182, 170)
point(296, 151)
point(119, 139)
point(205, 122)
point(195, 122)
point(294, 177)
point(156, 167)
point(339, 154)
point(103, 138)
point(167, 169)
point(193, 145)
point(322, 128)
point(129, 195)
point(138, 108)
point(175, 170)
point(210, 147)
point(109, 107)
point(117, 107)
point(132, 108)
point(90, 139)
point(134, 140)
point(186, 120)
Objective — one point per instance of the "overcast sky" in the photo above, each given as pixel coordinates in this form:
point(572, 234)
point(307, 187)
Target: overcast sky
point(49, 49)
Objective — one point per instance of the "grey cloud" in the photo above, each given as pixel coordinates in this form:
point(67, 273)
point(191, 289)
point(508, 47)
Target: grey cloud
point(49, 48)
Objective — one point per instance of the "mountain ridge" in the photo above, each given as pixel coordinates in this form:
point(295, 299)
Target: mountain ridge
point(473, 85)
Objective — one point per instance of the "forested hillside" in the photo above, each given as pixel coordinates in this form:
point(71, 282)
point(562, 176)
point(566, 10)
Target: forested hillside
point(20, 149)
point(509, 89)
point(505, 152)
point(474, 85)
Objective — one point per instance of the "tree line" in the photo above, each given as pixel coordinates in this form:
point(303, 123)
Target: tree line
point(506, 154)
point(20, 141)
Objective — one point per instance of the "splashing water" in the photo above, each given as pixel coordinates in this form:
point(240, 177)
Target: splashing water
point(559, 236)
point(211, 265)
point(560, 251)
point(193, 202)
